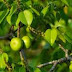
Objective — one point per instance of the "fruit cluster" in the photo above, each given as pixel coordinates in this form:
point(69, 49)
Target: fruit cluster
point(17, 43)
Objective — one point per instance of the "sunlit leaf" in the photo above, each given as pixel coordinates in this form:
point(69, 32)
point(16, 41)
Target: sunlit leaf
point(26, 17)
point(37, 70)
point(22, 69)
point(35, 11)
point(44, 11)
point(61, 36)
point(5, 56)
point(68, 39)
point(12, 11)
point(21, 18)
point(3, 15)
point(65, 2)
point(50, 35)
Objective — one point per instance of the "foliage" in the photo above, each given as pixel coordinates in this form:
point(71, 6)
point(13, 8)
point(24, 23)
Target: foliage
point(47, 23)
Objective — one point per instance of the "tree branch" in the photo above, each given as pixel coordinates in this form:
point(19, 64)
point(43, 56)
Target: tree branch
point(22, 52)
point(7, 4)
point(53, 67)
point(10, 34)
point(65, 50)
point(18, 4)
point(24, 59)
point(55, 62)
point(9, 67)
point(36, 31)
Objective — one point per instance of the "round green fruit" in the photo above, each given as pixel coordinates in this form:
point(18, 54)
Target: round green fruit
point(16, 44)
point(70, 67)
point(27, 41)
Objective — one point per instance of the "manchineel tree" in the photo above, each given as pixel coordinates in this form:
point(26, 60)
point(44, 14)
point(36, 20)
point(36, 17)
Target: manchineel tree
point(35, 35)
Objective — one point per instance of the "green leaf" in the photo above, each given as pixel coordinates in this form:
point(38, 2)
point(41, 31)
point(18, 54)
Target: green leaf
point(35, 11)
point(28, 16)
point(17, 21)
point(44, 10)
point(69, 32)
point(21, 17)
point(12, 11)
point(22, 69)
point(29, 3)
point(61, 36)
point(50, 35)
point(65, 2)
point(1, 0)
point(25, 17)
point(37, 70)
point(3, 15)
point(2, 62)
point(60, 23)
point(9, 19)
point(5, 56)
point(68, 39)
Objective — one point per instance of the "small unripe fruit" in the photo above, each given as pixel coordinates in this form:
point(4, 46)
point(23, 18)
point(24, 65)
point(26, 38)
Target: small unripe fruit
point(70, 67)
point(27, 41)
point(16, 44)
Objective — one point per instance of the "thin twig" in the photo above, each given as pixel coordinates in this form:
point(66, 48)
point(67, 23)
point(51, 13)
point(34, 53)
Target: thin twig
point(8, 66)
point(53, 67)
point(7, 4)
point(45, 64)
point(65, 50)
point(9, 34)
point(24, 59)
point(22, 52)
point(69, 58)
point(11, 29)
point(18, 4)
point(36, 31)
point(12, 33)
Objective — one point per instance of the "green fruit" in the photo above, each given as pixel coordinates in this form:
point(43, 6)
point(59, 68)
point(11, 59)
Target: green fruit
point(27, 41)
point(70, 67)
point(16, 44)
